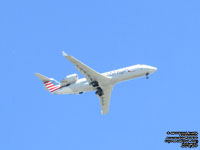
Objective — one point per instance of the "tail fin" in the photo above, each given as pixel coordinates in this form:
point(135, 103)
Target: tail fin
point(50, 84)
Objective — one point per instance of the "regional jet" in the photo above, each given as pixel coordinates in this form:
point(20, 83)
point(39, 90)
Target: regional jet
point(102, 83)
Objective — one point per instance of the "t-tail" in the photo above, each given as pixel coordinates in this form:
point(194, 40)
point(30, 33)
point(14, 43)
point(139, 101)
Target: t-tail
point(50, 84)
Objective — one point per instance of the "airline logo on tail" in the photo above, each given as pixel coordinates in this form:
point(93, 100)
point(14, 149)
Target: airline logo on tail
point(52, 85)
point(49, 83)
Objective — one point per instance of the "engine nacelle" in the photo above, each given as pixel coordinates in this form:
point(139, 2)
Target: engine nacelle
point(69, 80)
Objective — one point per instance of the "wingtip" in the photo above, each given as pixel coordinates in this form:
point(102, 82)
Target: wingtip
point(104, 113)
point(64, 54)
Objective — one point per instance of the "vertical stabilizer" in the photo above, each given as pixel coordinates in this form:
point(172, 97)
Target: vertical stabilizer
point(50, 84)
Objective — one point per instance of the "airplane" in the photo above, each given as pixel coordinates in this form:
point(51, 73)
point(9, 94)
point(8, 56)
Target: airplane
point(102, 83)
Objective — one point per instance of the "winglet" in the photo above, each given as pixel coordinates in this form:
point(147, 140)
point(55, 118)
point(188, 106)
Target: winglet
point(64, 54)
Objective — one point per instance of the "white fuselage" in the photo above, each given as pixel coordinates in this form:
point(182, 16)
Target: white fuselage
point(116, 76)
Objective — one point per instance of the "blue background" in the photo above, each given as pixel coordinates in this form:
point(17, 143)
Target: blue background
point(105, 35)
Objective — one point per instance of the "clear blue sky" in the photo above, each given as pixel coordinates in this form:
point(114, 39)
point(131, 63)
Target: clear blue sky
point(105, 35)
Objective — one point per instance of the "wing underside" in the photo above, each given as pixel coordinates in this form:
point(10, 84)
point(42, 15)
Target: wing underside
point(105, 99)
point(91, 75)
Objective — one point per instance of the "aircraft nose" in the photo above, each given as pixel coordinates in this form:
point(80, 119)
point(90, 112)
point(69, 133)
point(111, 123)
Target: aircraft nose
point(153, 69)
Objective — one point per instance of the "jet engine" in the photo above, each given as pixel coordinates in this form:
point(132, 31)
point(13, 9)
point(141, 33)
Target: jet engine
point(69, 80)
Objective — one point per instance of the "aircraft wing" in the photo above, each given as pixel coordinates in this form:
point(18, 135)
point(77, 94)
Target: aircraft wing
point(90, 74)
point(105, 99)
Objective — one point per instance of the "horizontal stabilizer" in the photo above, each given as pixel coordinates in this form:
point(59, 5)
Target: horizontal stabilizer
point(42, 77)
